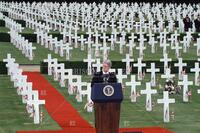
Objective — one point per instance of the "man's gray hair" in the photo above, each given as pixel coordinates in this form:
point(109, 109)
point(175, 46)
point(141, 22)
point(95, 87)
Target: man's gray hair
point(108, 62)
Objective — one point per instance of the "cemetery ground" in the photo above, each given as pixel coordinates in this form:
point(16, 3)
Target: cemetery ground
point(13, 113)
point(186, 117)
point(77, 55)
point(132, 114)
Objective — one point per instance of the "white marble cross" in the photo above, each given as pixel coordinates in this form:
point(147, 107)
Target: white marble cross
point(98, 65)
point(139, 65)
point(9, 60)
point(180, 66)
point(122, 43)
point(152, 42)
point(12, 68)
point(141, 49)
point(89, 42)
point(133, 83)
point(131, 45)
point(16, 75)
point(67, 49)
point(82, 93)
point(97, 48)
point(164, 45)
point(148, 93)
point(174, 38)
point(36, 103)
point(165, 59)
point(58, 70)
point(105, 50)
point(21, 84)
point(30, 49)
point(177, 48)
point(153, 71)
point(66, 76)
point(168, 74)
point(27, 92)
point(89, 104)
point(185, 43)
point(120, 75)
point(53, 66)
point(78, 83)
point(104, 37)
point(82, 41)
point(196, 69)
point(49, 61)
point(198, 46)
point(166, 101)
point(112, 42)
point(185, 83)
point(128, 60)
point(89, 60)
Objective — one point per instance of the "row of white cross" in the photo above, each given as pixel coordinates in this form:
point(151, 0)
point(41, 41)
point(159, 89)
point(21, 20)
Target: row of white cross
point(16, 39)
point(60, 73)
point(122, 14)
point(63, 46)
point(11, 24)
point(59, 47)
point(74, 82)
point(30, 97)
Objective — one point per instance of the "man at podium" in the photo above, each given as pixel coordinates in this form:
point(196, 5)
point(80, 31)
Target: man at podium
point(107, 114)
point(104, 76)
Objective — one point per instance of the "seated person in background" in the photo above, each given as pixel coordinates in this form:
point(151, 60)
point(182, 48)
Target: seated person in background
point(187, 23)
point(197, 23)
point(104, 76)
point(169, 86)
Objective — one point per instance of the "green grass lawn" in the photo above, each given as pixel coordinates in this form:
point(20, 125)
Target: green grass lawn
point(187, 118)
point(13, 115)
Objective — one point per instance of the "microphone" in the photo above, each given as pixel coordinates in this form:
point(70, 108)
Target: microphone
point(105, 78)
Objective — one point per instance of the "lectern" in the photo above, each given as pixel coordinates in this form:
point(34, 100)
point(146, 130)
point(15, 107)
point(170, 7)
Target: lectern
point(107, 98)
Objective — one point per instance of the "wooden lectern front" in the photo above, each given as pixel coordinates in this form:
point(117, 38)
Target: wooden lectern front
point(107, 100)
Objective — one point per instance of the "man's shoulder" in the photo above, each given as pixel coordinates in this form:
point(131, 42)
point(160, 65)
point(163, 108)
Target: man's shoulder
point(97, 73)
point(112, 73)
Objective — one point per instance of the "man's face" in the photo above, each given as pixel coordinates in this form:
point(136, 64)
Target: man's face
point(106, 67)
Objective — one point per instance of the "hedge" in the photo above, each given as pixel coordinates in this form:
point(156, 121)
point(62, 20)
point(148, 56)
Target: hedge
point(2, 23)
point(3, 69)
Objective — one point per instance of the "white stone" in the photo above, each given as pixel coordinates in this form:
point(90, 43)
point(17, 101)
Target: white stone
point(120, 76)
point(165, 59)
point(36, 102)
point(98, 65)
point(153, 71)
point(148, 93)
point(128, 60)
point(168, 74)
point(196, 70)
point(139, 65)
point(166, 101)
point(89, 61)
point(133, 83)
point(180, 66)
point(185, 83)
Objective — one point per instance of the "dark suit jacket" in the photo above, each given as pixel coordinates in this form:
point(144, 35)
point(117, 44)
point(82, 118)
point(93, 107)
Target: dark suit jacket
point(187, 24)
point(99, 78)
point(197, 25)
